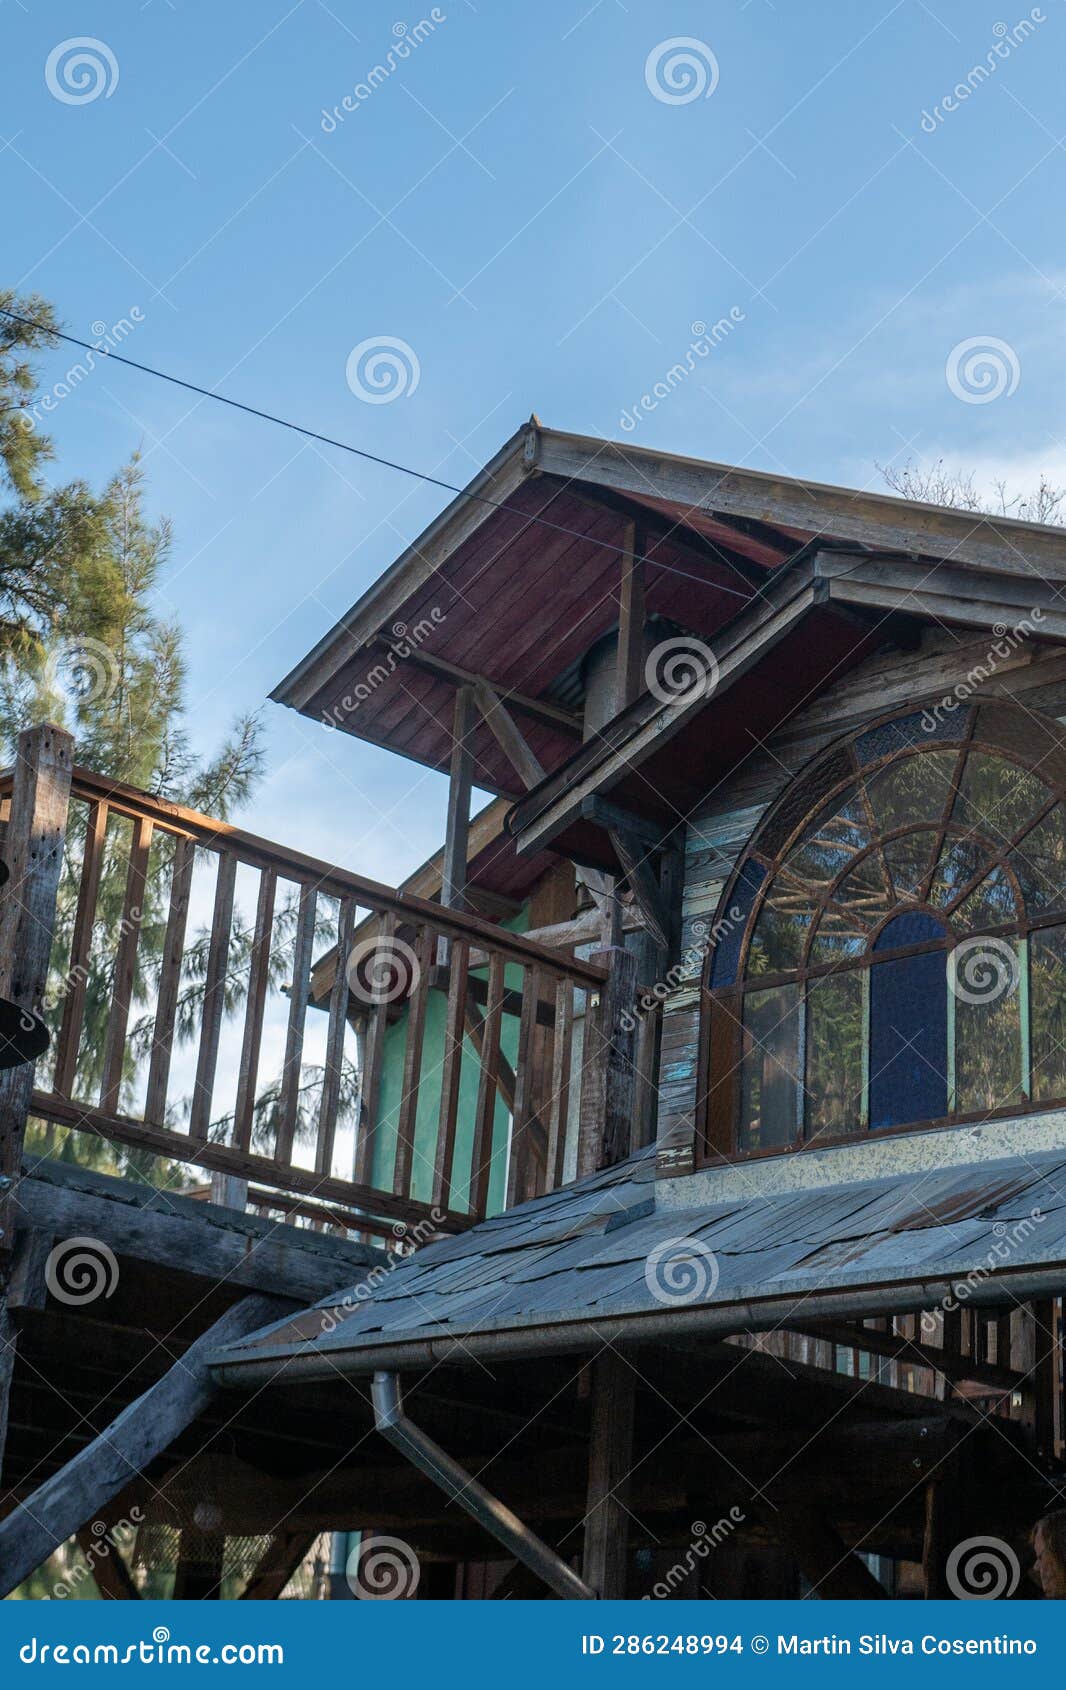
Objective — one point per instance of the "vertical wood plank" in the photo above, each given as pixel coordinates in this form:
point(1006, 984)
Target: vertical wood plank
point(606, 1559)
point(370, 1087)
point(80, 949)
point(412, 1064)
point(334, 1063)
point(303, 951)
point(451, 1073)
point(166, 1009)
point(629, 682)
point(214, 997)
point(521, 1149)
point(485, 1113)
point(607, 1083)
point(258, 984)
point(33, 852)
point(125, 967)
point(562, 1055)
point(453, 879)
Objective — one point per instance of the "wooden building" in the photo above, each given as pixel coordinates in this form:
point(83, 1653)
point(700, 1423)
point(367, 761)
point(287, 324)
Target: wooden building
point(714, 1077)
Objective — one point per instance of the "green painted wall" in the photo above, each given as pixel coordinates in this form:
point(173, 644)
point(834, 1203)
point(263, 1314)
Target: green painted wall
point(429, 1099)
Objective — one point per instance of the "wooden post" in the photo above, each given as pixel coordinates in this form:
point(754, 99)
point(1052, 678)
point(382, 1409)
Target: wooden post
point(833, 1570)
point(610, 1463)
point(629, 683)
point(608, 1079)
point(33, 852)
point(456, 837)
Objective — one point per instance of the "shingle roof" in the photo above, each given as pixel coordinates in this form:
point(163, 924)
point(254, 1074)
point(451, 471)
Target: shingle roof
point(601, 1249)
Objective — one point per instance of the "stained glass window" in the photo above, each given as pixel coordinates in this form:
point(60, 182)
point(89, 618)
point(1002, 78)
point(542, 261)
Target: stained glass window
point(899, 959)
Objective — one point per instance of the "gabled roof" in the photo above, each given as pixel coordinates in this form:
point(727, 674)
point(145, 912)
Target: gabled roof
point(600, 1259)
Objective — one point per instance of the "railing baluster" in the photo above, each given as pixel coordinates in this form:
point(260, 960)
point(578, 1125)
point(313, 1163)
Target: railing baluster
point(373, 1056)
point(125, 966)
point(166, 1008)
point(338, 1021)
point(451, 1072)
point(484, 1119)
point(258, 982)
point(524, 1123)
point(289, 1100)
point(214, 997)
point(412, 1063)
point(80, 951)
point(562, 1053)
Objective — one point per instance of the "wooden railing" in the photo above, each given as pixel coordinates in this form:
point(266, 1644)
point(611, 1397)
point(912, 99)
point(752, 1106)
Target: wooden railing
point(446, 1048)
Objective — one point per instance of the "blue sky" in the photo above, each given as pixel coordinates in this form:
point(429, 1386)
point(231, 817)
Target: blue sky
point(518, 203)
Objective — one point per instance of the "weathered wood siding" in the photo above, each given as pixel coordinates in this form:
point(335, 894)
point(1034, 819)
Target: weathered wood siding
point(719, 829)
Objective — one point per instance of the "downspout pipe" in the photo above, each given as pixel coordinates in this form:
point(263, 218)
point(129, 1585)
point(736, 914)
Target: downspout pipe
point(457, 1484)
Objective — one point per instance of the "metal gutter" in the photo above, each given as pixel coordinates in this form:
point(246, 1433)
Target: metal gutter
point(291, 1364)
point(461, 1487)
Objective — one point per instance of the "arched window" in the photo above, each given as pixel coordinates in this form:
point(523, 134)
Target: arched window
point(890, 948)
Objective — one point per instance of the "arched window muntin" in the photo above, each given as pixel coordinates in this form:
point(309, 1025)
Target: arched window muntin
point(952, 839)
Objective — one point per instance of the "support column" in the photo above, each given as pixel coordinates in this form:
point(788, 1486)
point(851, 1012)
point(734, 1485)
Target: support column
point(608, 1080)
point(606, 1561)
point(33, 852)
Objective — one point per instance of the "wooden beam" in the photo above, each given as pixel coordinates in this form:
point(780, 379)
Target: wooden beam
point(108, 1568)
point(948, 1361)
point(540, 710)
point(606, 1560)
point(508, 735)
point(59, 1507)
point(629, 672)
point(33, 851)
point(633, 856)
point(457, 830)
point(833, 1571)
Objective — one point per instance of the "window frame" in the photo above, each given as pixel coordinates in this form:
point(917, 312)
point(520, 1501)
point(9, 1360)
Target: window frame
point(721, 1007)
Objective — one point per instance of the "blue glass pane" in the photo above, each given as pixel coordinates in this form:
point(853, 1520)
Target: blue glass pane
point(913, 927)
point(924, 727)
point(727, 951)
point(908, 1039)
